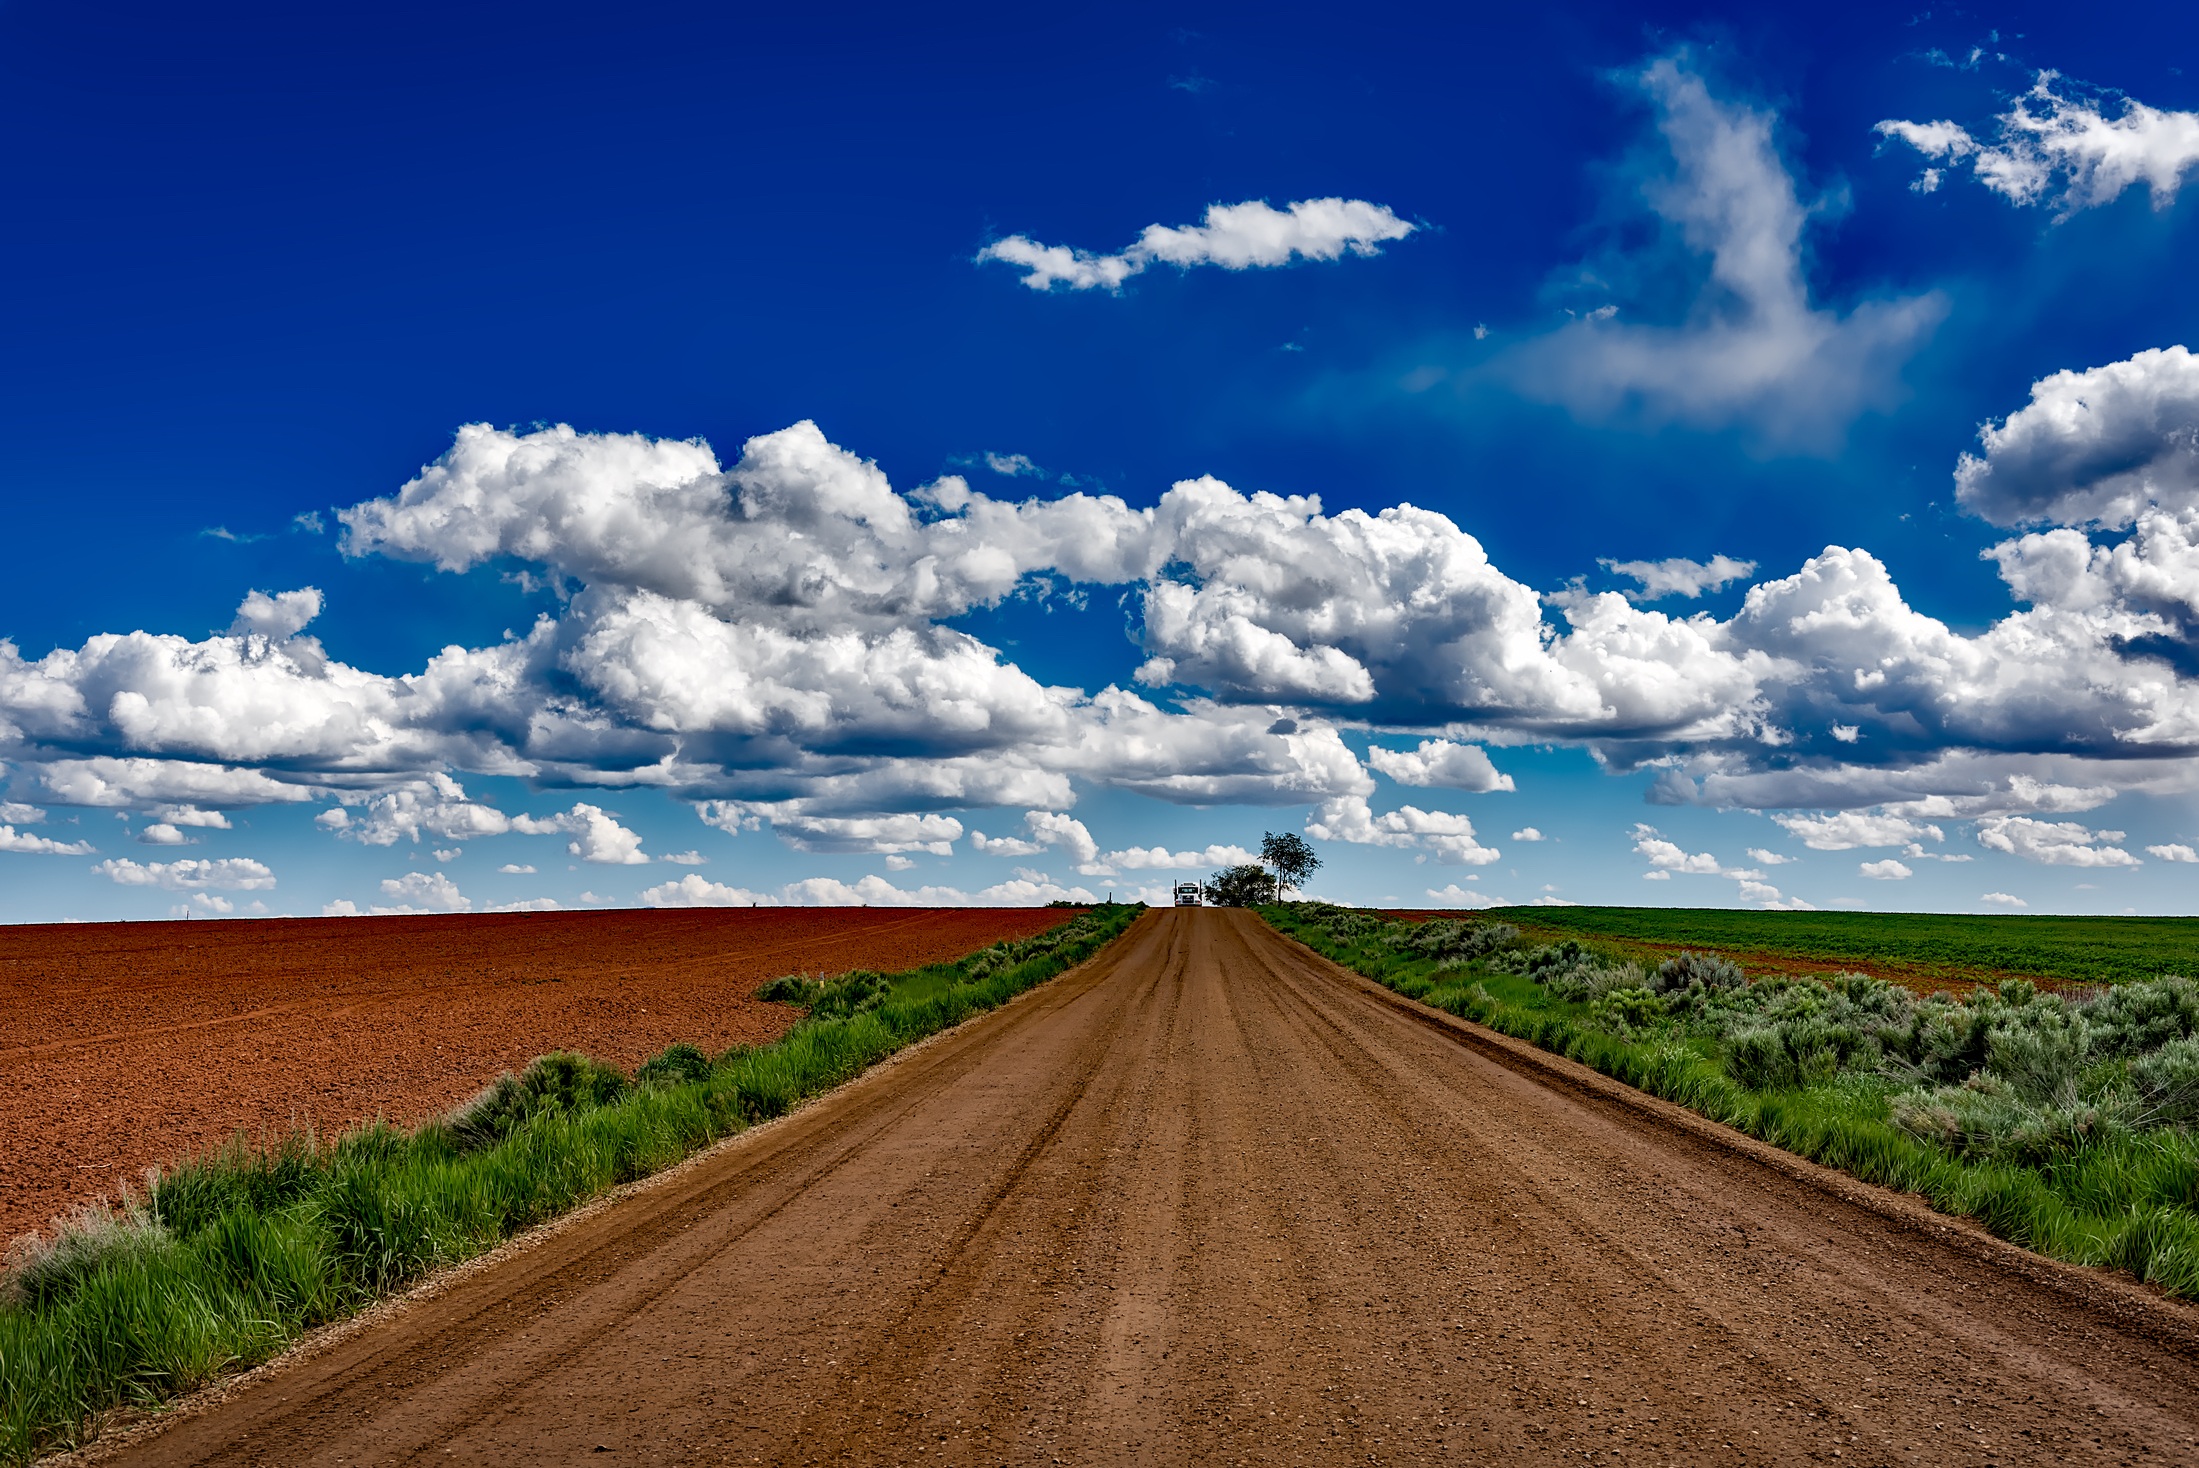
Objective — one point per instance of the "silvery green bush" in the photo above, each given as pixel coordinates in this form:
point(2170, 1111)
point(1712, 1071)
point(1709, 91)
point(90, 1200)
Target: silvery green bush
point(2002, 1072)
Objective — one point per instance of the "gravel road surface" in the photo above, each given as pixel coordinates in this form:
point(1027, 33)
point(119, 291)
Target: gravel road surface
point(1211, 1199)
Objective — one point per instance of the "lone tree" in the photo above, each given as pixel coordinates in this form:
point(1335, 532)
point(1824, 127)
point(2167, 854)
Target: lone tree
point(1290, 857)
point(1242, 886)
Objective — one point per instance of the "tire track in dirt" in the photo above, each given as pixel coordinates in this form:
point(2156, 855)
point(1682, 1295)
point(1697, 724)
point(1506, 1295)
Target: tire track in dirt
point(488, 1338)
point(1208, 1198)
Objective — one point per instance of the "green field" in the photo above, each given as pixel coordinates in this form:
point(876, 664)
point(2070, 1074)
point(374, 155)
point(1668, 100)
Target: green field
point(1950, 947)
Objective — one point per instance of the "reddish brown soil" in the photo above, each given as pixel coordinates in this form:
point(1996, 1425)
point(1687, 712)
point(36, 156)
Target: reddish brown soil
point(123, 1045)
point(1208, 1199)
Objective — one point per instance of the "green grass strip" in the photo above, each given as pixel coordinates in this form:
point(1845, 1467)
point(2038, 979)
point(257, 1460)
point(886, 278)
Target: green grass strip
point(2125, 1201)
point(237, 1254)
point(1959, 946)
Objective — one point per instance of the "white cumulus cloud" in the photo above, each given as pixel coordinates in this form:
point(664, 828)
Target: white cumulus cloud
point(1160, 858)
point(282, 615)
point(1888, 870)
point(191, 816)
point(235, 873)
point(2100, 446)
point(1453, 895)
point(2055, 143)
point(693, 890)
point(1003, 845)
point(1233, 236)
point(435, 804)
point(766, 642)
point(1046, 829)
point(1442, 764)
point(597, 835)
point(32, 844)
point(1848, 829)
point(2173, 851)
point(424, 892)
point(1678, 576)
point(173, 789)
point(1668, 856)
point(2056, 843)
point(870, 835)
point(1449, 838)
point(1056, 828)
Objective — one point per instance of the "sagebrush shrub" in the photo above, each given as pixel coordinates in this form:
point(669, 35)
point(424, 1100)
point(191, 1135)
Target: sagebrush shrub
point(2168, 1082)
point(858, 990)
point(1455, 940)
point(2040, 1054)
point(560, 1081)
point(43, 1270)
point(1690, 968)
point(1626, 1010)
point(676, 1065)
point(2144, 1015)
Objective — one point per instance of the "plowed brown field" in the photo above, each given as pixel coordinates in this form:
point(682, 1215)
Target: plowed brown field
point(123, 1045)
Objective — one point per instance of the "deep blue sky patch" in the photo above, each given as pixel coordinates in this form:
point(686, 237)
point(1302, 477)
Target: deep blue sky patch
point(465, 456)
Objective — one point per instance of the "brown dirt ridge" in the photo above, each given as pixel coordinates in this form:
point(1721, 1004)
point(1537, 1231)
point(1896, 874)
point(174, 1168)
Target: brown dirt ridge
point(123, 1045)
point(1208, 1198)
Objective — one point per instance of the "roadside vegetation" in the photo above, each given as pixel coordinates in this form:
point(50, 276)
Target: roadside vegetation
point(227, 1259)
point(2063, 1122)
point(1941, 947)
point(1287, 859)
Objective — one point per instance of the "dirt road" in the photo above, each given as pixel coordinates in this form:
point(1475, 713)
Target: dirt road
point(1209, 1199)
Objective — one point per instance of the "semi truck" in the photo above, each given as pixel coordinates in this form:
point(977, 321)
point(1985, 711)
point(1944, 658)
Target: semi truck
point(1189, 894)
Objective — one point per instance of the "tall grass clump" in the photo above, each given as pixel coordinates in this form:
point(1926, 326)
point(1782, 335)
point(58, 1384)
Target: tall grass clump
point(229, 1257)
point(2068, 1124)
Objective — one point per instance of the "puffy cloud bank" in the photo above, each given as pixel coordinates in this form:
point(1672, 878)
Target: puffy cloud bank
point(239, 873)
point(692, 891)
point(774, 641)
point(1233, 236)
point(2101, 447)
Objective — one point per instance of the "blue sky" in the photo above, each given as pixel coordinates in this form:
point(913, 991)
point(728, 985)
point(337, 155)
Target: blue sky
point(478, 455)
